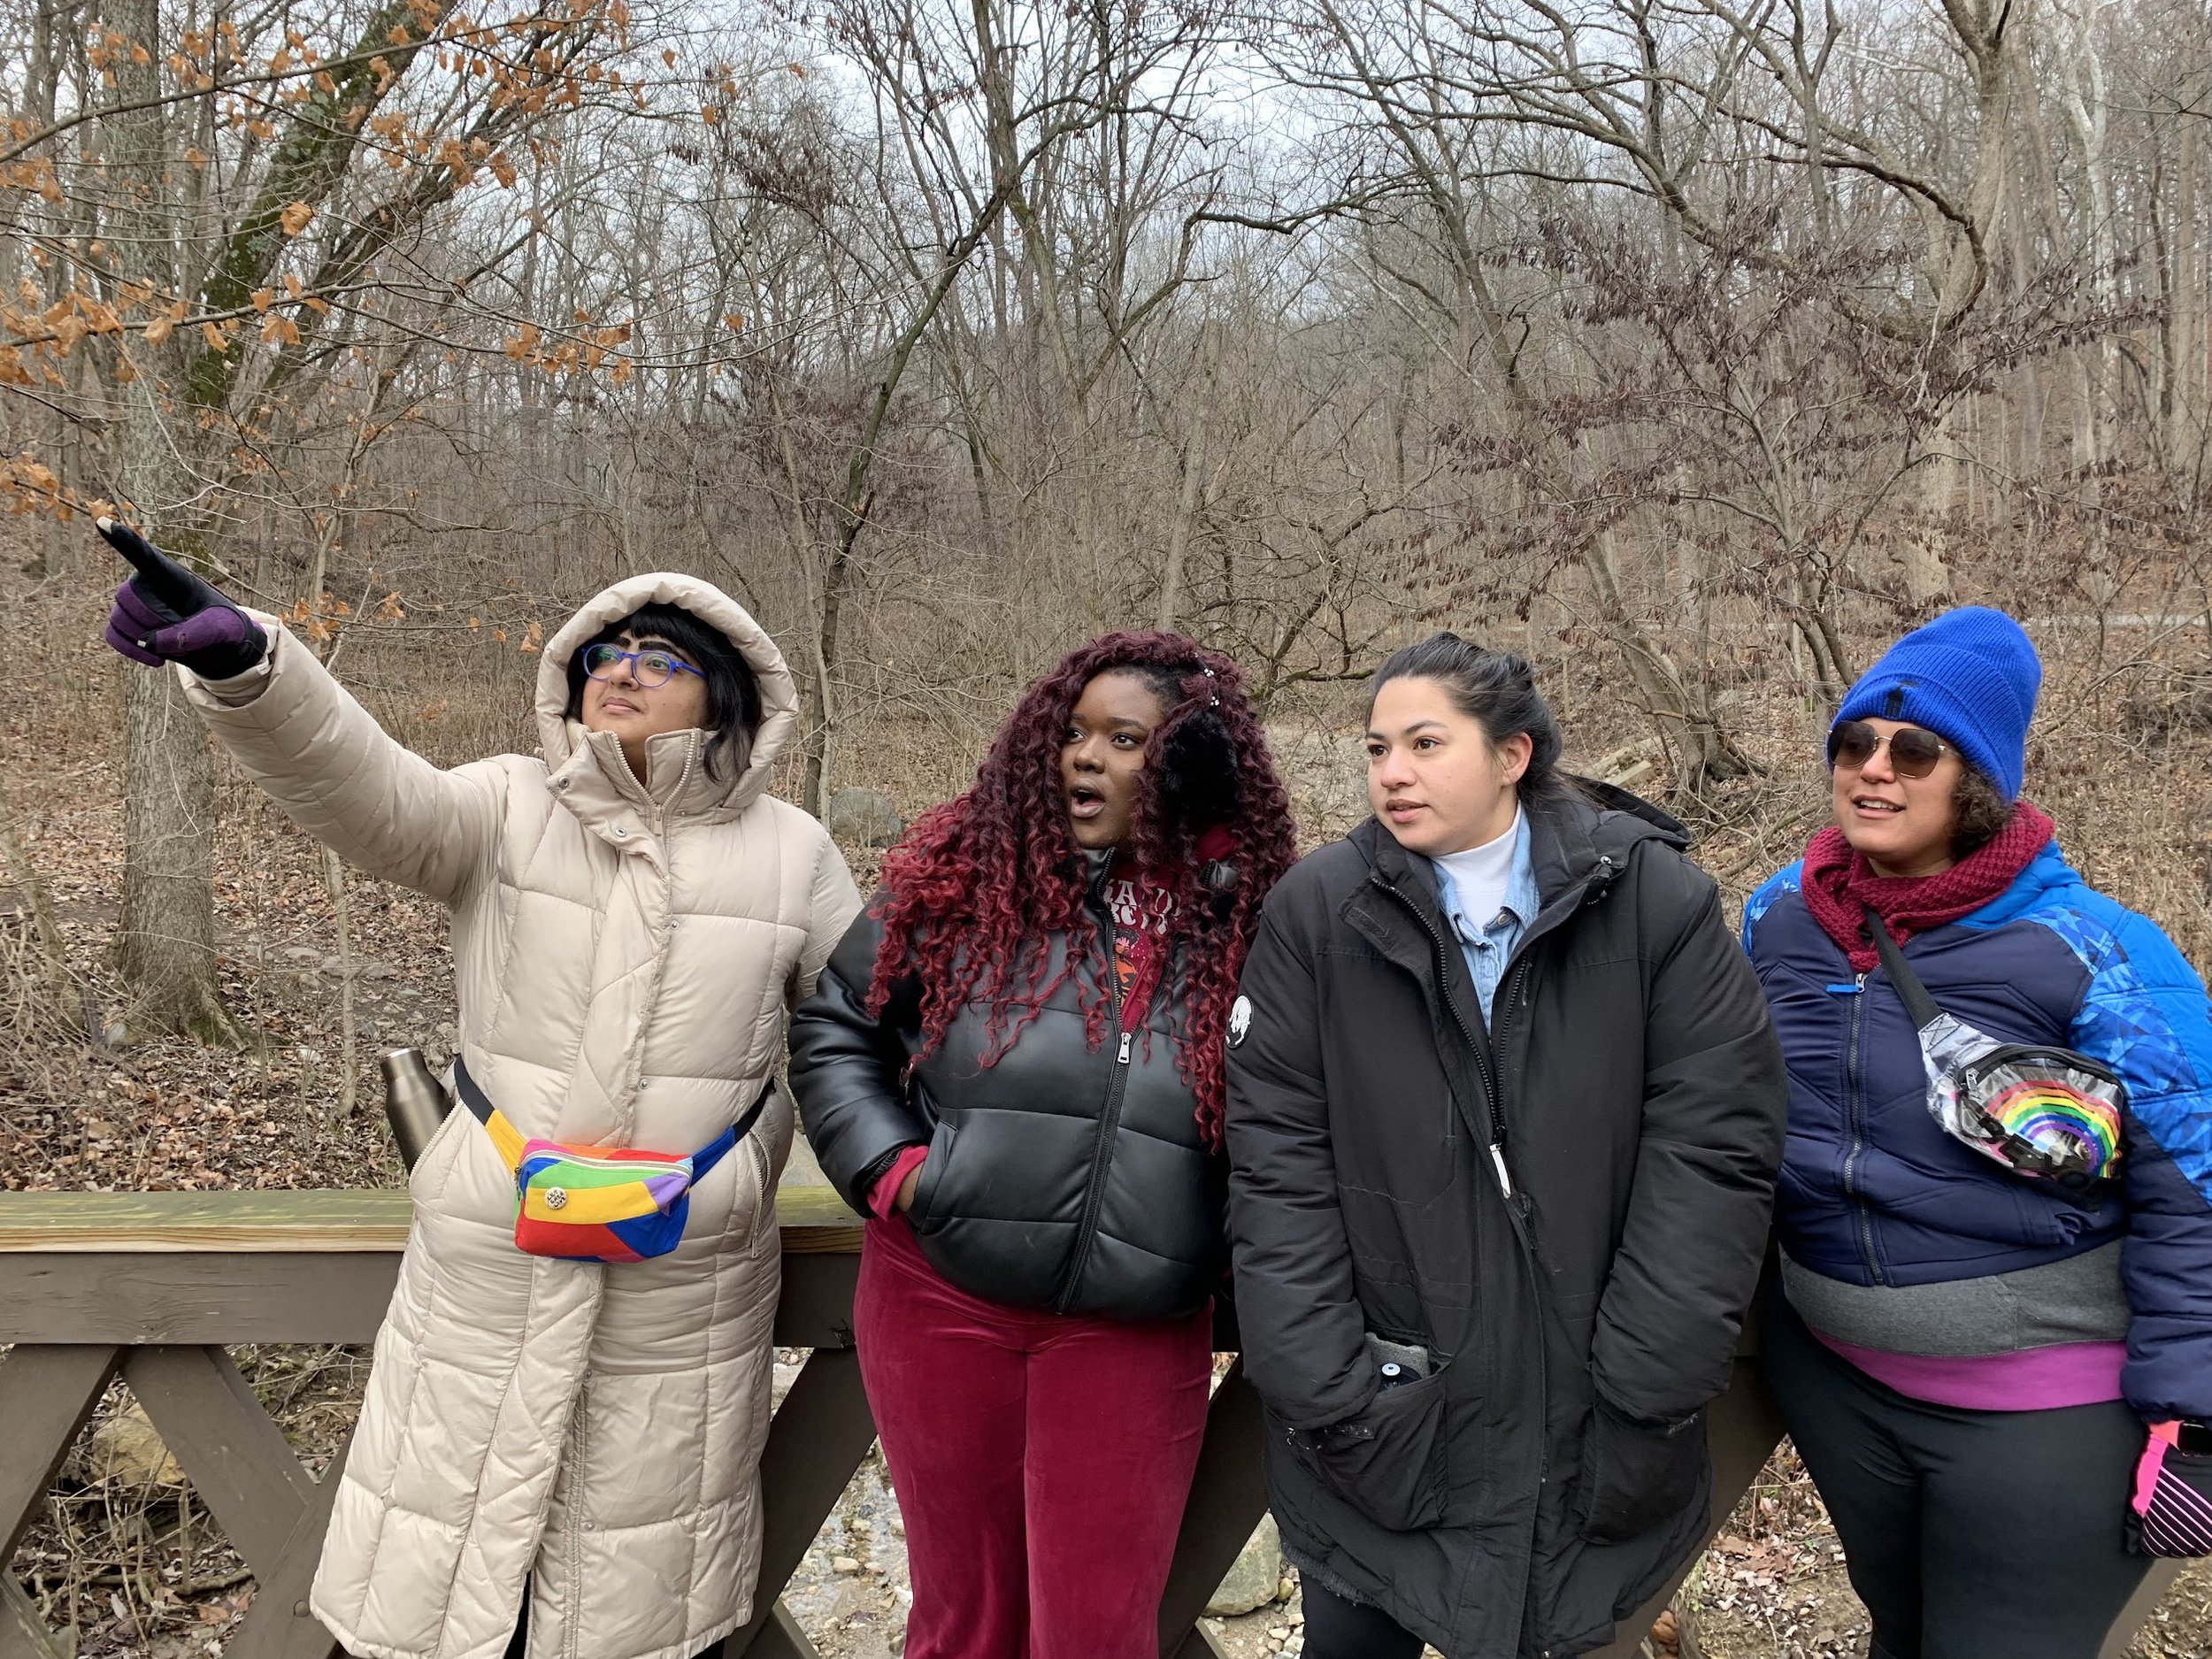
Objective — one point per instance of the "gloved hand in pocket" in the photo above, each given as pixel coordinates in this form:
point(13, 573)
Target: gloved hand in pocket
point(2171, 1515)
point(167, 614)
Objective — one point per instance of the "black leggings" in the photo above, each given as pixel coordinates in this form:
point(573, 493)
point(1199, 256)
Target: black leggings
point(1968, 1535)
point(1337, 1629)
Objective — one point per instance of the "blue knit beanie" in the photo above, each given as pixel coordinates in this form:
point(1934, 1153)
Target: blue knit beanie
point(1970, 676)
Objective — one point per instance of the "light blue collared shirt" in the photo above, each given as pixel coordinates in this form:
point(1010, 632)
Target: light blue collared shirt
point(1488, 944)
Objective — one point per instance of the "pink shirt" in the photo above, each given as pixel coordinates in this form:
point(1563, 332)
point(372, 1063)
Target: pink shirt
point(2033, 1380)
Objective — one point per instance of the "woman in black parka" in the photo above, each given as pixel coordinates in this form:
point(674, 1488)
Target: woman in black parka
point(1504, 1116)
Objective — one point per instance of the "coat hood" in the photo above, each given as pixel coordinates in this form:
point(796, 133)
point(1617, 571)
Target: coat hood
point(564, 740)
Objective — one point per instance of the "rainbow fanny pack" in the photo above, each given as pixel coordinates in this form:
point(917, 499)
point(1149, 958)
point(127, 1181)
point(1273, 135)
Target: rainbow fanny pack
point(2042, 1111)
point(599, 1203)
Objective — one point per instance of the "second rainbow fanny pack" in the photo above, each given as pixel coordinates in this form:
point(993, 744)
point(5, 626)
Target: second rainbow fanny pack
point(599, 1203)
point(2042, 1111)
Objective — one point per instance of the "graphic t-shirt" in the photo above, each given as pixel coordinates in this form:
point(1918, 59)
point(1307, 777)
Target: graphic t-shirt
point(1140, 913)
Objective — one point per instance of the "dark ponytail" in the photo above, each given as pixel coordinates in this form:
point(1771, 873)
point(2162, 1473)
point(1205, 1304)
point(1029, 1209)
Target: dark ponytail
point(1496, 689)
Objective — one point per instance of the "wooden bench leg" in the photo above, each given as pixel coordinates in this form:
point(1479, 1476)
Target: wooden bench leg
point(2140, 1606)
point(46, 1395)
point(780, 1638)
point(1228, 1496)
point(820, 1436)
point(24, 1633)
point(238, 1461)
point(278, 1624)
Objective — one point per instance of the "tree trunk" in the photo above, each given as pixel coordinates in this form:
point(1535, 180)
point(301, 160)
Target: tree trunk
point(165, 946)
point(166, 939)
point(1193, 482)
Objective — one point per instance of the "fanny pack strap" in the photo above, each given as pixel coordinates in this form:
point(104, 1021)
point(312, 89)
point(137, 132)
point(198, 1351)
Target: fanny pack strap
point(1914, 995)
point(509, 1140)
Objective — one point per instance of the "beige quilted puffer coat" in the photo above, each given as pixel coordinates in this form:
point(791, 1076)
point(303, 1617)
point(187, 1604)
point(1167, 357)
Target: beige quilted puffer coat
point(626, 956)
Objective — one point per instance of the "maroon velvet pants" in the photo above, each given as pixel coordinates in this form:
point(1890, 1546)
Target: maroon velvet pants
point(1040, 1461)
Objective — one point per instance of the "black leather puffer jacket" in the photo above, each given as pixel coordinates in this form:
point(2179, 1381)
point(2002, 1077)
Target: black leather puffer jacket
point(1062, 1177)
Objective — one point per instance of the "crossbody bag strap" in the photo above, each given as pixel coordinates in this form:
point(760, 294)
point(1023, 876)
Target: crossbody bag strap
point(509, 1141)
point(1907, 983)
point(715, 1150)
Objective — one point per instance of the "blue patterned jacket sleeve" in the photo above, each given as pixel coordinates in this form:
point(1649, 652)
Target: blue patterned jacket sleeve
point(2144, 1014)
point(1777, 886)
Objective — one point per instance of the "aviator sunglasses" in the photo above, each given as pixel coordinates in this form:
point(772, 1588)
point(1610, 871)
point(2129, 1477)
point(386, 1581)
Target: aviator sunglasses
point(1913, 753)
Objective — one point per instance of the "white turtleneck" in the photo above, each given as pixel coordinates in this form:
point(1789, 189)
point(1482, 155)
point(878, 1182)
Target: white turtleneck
point(1480, 876)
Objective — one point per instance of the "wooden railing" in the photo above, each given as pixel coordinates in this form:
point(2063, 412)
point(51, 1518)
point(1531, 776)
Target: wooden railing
point(154, 1287)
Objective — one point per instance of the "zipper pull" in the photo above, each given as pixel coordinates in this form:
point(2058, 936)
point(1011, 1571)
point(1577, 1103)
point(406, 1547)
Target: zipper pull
point(1497, 1157)
point(1123, 1057)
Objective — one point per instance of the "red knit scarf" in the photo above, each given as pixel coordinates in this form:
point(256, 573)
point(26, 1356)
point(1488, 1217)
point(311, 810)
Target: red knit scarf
point(1839, 885)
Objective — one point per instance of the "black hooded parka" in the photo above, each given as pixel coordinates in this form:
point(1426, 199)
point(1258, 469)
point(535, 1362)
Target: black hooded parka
point(1567, 1209)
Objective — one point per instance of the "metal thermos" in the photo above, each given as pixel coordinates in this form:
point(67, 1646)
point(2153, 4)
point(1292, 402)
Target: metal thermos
point(415, 1102)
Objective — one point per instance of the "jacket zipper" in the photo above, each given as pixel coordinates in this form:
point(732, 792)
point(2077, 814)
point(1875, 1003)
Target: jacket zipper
point(1108, 1124)
point(1480, 1050)
point(1855, 1117)
point(1517, 1206)
point(1516, 1203)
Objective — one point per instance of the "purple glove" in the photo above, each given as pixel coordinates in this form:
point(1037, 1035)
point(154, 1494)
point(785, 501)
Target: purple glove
point(167, 614)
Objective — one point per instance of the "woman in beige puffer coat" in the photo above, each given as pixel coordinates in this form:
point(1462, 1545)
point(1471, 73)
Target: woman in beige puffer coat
point(581, 1437)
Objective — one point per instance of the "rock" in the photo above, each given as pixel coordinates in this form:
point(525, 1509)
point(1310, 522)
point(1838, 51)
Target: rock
point(1252, 1582)
point(865, 817)
point(126, 1449)
point(364, 967)
point(844, 1564)
point(301, 953)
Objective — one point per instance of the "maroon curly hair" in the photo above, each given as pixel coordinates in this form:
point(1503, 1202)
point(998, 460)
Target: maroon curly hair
point(974, 894)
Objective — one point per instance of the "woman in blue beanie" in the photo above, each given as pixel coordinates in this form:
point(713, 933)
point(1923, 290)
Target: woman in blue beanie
point(1994, 1347)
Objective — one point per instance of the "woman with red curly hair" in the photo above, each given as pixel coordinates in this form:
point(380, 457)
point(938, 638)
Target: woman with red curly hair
point(1013, 1064)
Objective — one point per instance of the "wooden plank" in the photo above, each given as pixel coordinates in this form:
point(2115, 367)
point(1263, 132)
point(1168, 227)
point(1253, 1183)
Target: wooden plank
point(819, 1435)
point(1199, 1644)
point(780, 1638)
point(813, 1218)
point(156, 1222)
point(816, 1221)
point(200, 1300)
point(225, 1298)
point(278, 1625)
point(24, 1634)
point(239, 1461)
point(46, 1393)
point(2140, 1606)
point(815, 1307)
point(1228, 1495)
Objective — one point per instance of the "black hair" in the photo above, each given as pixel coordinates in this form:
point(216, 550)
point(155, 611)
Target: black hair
point(1496, 689)
point(1197, 757)
point(1979, 809)
point(733, 689)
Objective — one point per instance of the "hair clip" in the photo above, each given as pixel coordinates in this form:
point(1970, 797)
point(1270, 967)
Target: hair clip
point(1214, 702)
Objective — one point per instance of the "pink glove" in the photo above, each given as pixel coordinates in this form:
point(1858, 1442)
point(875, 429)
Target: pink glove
point(2172, 1512)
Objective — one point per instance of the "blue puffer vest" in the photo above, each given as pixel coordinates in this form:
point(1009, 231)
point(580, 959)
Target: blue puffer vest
point(1874, 1193)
